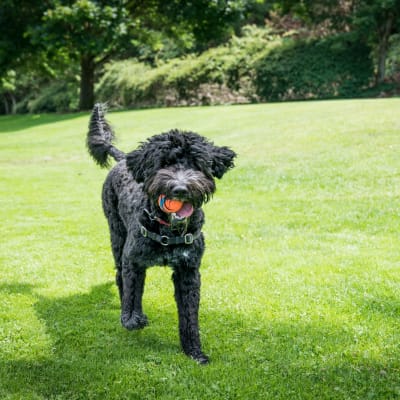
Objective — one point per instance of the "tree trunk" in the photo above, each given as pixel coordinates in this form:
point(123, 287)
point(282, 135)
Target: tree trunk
point(10, 104)
point(384, 34)
point(86, 100)
point(13, 104)
point(381, 71)
point(5, 102)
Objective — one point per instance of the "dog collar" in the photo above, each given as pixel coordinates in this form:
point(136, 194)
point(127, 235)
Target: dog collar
point(164, 240)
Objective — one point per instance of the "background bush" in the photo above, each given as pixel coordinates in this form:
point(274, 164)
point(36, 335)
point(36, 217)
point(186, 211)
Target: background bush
point(56, 97)
point(257, 66)
point(218, 76)
point(338, 66)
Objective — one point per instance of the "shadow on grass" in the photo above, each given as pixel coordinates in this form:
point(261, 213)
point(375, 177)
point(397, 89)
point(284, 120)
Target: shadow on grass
point(92, 356)
point(88, 345)
point(14, 123)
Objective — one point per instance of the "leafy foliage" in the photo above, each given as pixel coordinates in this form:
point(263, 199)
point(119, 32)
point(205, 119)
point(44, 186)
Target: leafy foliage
point(257, 66)
point(92, 31)
point(394, 56)
point(219, 75)
point(208, 21)
point(375, 20)
point(84, 27)
point(56, 97)
point(315, 69)
point(89, 32)
point(52, 40)
point(15, 18)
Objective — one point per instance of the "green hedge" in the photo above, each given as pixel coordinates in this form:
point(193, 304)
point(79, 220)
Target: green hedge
point(219, 75)
point(255, 67)
point(56, 97)
point(178, 82)
point(316, 69)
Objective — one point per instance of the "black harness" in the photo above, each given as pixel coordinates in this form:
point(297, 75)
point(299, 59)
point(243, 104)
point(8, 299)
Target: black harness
point(164, 240)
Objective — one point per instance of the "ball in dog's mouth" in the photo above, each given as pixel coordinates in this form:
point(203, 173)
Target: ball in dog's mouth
point(178, 209)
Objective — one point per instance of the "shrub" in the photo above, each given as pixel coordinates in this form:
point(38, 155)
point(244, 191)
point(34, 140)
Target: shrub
point(257, 66)
point(393, 59)
point(218, 76)
point(56, 97)
point(337, 66)
point(120, 83)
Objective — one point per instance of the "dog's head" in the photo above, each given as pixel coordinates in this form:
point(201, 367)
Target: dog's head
point(180, 166)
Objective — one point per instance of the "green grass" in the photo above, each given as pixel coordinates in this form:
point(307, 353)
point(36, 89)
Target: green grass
point(301, 283)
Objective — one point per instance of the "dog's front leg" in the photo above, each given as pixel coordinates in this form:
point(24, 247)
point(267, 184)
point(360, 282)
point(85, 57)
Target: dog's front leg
point(133, 278)
point(187, 296)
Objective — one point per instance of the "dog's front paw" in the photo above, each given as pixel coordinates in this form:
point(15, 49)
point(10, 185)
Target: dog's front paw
point(134, 321)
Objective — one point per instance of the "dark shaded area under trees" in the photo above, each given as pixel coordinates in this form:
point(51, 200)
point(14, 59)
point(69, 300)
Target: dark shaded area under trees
point(53, 54)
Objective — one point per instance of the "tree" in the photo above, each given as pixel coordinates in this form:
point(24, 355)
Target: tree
point(378, 20)
point(15, 18)
point(88, 31)
point(7, 88)
point(210, 22)
point(93, 31)
point(15, 48)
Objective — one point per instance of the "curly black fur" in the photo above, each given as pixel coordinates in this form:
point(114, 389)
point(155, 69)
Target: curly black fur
point(100, 138)
point(180, 165)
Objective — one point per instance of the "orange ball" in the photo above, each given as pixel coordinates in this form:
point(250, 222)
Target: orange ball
point(169, 205)
point(172, 205)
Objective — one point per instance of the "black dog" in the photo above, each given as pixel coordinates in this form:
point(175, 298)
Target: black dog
point(152, 200)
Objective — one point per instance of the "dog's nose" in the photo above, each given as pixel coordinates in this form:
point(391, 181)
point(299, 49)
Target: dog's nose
point(179, 192)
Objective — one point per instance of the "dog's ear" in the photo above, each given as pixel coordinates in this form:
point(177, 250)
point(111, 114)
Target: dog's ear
point(135, 162)
point(222, 160)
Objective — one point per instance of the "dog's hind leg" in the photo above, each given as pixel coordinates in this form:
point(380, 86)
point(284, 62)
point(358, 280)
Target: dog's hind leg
point(117, 244)
point(117, 231)
point(187, 296)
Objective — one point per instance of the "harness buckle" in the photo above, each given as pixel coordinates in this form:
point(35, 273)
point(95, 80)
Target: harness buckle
point(188, 238)
point(164, 240)
point(143, 231)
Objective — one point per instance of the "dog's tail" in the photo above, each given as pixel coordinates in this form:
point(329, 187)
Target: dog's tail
point(100, 138)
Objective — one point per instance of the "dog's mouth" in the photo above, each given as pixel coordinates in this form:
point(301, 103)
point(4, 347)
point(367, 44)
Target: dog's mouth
point(186, 211)
point(179, 219)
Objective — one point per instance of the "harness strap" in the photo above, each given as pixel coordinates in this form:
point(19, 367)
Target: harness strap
point(155, 218)
point(188, 238)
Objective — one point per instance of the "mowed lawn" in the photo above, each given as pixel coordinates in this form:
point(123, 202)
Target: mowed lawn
point(300, 280)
